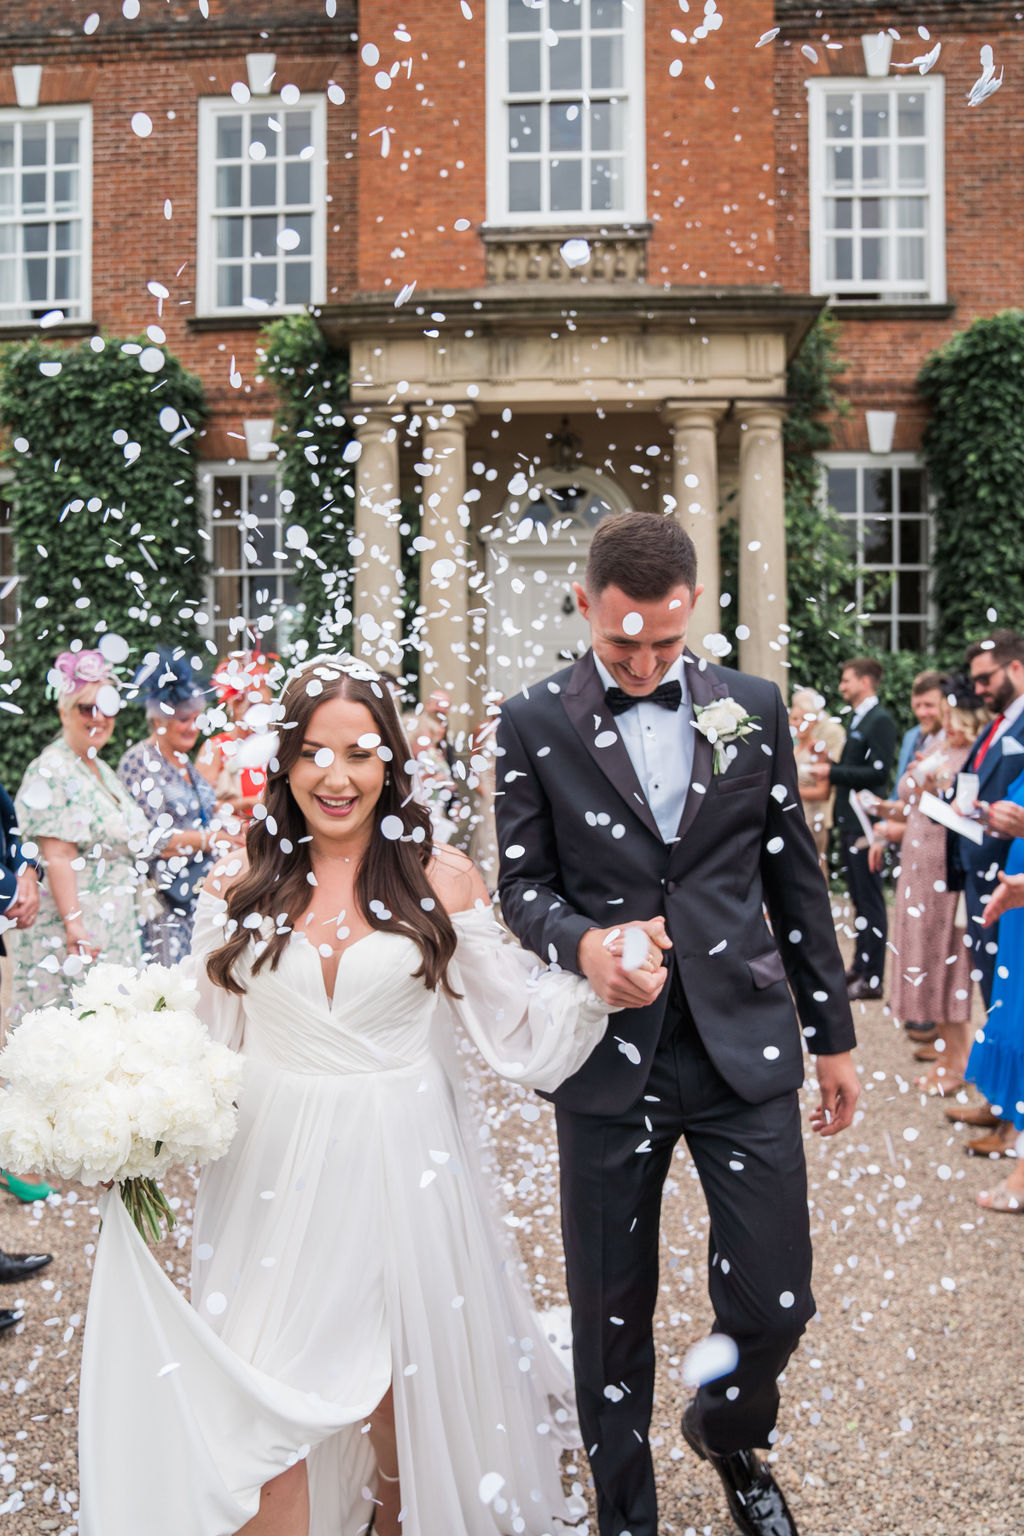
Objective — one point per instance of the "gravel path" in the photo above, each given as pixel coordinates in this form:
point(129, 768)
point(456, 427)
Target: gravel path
point(900, 1413)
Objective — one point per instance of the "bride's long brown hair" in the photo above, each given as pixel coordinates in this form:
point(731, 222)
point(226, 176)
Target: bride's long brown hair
point(391, 886)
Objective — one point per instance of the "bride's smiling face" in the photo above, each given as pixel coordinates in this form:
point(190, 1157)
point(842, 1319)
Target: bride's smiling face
point(338, 777)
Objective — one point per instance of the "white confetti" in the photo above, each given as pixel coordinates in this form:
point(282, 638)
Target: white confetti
point(142, 125)
point(490, 1486)
point(710, 1359)
point(392, 827)
point(632, 624)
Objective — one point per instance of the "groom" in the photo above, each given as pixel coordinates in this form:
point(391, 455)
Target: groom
point(611, 815)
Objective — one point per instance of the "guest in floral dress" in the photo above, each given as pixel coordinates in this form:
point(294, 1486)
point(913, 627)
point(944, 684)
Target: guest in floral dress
point(88, 833)
point(179, 805)
point(932, 973)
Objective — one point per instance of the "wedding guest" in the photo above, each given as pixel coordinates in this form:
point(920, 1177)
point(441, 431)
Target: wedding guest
point(234, 760)
point(866, 763)
point(996, 667)
point(179, 804)
point(14, 1268)
point(816, 739)
point(996, 1062)
point(88, 833)
point(19, 895)
point(926, 694)
point(358, 1342)
point(931, 973)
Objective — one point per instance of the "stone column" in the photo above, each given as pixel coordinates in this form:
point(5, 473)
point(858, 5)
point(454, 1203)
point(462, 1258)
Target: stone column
point(762, 595)
point(377, 554)
point(446, 660)
point(694, 429)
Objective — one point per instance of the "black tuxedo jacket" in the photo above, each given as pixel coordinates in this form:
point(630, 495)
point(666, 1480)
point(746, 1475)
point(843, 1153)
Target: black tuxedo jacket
point(1001, 765)
point(580, 849)
point(866, 763)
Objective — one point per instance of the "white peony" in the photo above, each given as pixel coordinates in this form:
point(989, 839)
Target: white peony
point(112, 986)
point(26, 1134)
point(92, 1134)
point(163, 984)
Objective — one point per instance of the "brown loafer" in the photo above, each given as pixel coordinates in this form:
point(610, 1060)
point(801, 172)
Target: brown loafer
point(926, 1053)
point(921, 1036)
point(971, 1114)
point(995, 1144)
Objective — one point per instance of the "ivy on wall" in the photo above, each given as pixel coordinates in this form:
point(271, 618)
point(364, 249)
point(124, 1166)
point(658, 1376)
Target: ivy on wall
point(316, 448)
point(974, 450)
point(100, 441)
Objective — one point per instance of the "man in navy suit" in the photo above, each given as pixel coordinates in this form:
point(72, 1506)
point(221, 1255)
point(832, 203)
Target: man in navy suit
point(629, 804)
point(996, 667)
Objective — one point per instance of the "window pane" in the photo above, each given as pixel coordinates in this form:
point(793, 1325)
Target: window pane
point(263, 281)
point(874, 164)
point(524, 186)
point(910, 259)
point(65, 191)
point(565, 64)
point(36, 237)
point(298, 182)
point(878, 491)
point(566, 15)
point(524, 66)
point(298, 282)
point(262, 132)
point(298, 132)
point(913, 636)
point(838, 115)
point(912, 490)
point(6, 194)
point(878, 541)
point(839, 166)
point(263, 186)
point(523, 17)
point(524, 128)
point(263, 235)
point(875, 116)
point(910, 111)
point(229, 186)
point(229, 287)
point(910, 161)
point(842, 489)
point(6, 144)
point(839, 260)
point(33, 144)
point(838, 213)
point(36, 273)
point(565, 126)
point(606, 125)
point(874, 267)
point(33, 192)
point(606, 13)
point(566, 186)
point(63, 236)
point(912, 592)
point(302, 224)
point(65, 143)
point(914, 541)
point(873, 213)
point(231, 237)
point(229, 138)
point(606, 63)
point(910, 212)
point(606, 185)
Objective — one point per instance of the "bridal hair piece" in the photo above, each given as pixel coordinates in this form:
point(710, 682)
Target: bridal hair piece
point(392, 891)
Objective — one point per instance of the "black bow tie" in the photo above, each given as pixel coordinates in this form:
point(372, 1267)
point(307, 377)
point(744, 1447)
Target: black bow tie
point(668, 695)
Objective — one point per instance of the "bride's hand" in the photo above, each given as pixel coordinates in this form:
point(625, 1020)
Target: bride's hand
point(600, 959)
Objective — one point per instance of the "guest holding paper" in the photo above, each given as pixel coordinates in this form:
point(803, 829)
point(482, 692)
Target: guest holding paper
point(932, 969)
point(866, 763)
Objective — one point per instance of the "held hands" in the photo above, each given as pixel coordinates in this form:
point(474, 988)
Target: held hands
point(840, 1090)
point(600, 956)
point(1008, 893)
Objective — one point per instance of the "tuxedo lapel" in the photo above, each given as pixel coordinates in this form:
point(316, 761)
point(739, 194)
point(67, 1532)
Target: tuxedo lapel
point(594, 723)
point(703, 689)
point(995, 755)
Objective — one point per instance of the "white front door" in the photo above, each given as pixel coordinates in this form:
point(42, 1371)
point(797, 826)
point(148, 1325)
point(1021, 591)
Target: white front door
point(534, 627)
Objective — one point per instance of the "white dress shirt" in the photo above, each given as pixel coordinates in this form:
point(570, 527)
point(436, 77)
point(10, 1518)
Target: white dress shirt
point(660, 746)
point(1010, 716)
point(862, 709)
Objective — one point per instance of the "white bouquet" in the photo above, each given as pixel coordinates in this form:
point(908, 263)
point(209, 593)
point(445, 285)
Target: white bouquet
point(118, 1087)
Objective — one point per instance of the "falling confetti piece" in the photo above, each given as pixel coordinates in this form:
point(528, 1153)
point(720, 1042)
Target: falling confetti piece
point(767, 37)
point(490, 1486)
point(142, 125)
point(710, 1359)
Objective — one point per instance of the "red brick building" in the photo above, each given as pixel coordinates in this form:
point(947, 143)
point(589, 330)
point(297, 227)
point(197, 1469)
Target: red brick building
point(570, 244)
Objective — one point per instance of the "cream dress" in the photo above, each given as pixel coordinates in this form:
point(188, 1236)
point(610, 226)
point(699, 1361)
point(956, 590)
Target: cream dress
point(344, 1245)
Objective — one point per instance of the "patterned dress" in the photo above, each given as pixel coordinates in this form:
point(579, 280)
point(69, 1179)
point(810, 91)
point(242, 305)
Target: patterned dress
point(61, 797)
point(931, 973)
point(171, 802)
point(996, 1063)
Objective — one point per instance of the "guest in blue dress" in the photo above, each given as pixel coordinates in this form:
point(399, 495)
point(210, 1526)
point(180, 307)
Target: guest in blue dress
point(996, 1062)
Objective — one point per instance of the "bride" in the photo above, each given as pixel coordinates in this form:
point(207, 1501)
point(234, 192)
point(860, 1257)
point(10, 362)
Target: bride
point(359, 1345)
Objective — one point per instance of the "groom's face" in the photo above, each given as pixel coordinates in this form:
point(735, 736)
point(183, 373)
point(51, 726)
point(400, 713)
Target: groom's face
point(636, 641)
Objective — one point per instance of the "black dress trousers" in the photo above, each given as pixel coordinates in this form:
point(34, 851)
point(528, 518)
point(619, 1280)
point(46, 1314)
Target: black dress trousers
point(750, 1161)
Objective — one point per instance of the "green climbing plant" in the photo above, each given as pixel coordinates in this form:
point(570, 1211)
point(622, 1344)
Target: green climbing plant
point(100, 442)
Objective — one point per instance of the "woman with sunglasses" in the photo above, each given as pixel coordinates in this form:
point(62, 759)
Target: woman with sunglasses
point(88, 833)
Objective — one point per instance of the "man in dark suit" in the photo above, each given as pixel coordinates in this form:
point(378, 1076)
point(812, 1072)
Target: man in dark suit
point(635, 794)
point(996, 667)
point(866, 763)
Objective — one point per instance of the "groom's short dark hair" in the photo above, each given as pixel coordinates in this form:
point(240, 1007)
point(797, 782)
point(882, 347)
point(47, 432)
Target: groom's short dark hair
point(644, 554)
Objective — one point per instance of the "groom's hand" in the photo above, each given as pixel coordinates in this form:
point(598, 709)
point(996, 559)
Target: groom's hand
point(602, 965)
point(840, 1090)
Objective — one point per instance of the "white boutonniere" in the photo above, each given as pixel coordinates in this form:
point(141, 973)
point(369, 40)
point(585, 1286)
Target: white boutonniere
point(724, 723)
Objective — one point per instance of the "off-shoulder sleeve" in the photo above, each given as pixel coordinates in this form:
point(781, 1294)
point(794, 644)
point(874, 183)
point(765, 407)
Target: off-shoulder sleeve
point(222, 1012)
point(532, 1025)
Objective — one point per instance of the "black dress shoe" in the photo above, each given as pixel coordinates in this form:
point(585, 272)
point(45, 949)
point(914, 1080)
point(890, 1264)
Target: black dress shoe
point(754, 1497)
point(8, 1319)
point(860, 990)
point(18, 1266)
point(852, 974)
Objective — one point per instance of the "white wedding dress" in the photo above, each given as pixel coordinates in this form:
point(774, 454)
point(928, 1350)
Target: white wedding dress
point(344, 1245)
